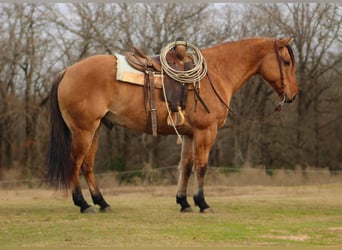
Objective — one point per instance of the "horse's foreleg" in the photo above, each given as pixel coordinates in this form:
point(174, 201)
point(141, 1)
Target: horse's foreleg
point(185, 167)
point(203, 141)
point(199, 196)
point(88, 172)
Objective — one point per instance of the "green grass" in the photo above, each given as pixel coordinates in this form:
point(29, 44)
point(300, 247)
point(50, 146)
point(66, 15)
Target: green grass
point(148, 216)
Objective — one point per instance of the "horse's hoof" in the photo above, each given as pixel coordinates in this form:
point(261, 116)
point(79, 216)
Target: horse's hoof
point(186, 210)
point(89, 210)
point(106, 210)
point(207, 211)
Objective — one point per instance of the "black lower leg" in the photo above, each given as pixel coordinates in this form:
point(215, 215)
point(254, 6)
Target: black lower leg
point(200, 201)
point(182, 201)
point(79, 200)
point(99, 200)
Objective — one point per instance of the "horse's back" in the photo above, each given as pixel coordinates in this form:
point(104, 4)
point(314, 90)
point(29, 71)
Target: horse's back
point(93, 68)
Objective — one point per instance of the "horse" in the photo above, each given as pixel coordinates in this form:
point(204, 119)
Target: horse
point(84, 94)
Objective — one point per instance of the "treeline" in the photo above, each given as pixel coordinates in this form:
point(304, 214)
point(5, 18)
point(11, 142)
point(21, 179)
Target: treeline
point(39, 40)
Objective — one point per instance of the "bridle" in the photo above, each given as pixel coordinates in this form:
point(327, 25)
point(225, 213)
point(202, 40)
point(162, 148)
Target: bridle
point(281, 92)
point(280, 65)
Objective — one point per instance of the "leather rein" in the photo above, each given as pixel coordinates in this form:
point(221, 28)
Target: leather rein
point(281, 92)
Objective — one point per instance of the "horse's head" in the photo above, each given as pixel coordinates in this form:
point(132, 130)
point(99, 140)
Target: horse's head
point(278, 68)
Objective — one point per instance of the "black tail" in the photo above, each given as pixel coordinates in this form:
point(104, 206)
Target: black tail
point(59, 164)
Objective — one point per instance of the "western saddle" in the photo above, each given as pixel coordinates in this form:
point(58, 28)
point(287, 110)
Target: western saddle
point(175, 92)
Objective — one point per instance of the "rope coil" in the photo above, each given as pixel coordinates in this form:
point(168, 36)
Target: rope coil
point(197, 73)
point(192, 76)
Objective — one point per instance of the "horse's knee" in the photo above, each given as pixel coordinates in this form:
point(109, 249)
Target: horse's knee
point(200, 171)
point(186, 170)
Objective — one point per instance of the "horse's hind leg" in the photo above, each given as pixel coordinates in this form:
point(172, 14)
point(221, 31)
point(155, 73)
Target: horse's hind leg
point(185, 168)
point(88, 172)
point(81, 142)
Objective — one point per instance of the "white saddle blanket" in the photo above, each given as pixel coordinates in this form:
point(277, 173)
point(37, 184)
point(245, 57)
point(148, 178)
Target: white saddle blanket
point(127, 73)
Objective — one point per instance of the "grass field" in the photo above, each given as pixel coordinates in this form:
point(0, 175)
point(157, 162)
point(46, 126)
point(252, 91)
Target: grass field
point(147, 216)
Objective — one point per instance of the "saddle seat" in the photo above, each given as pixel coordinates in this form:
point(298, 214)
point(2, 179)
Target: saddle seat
point(175, 92)
point(142, 62)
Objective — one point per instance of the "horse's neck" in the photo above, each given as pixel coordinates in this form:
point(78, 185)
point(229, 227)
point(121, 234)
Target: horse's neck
point(236, 62)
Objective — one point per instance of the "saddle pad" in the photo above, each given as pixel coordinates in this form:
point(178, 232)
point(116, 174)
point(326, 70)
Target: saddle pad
point(126, 73)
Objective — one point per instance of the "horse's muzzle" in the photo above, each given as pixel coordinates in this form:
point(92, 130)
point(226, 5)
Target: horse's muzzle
point(287, 100)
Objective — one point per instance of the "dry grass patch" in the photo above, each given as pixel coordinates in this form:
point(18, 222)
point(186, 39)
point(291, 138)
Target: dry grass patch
point(148, 216)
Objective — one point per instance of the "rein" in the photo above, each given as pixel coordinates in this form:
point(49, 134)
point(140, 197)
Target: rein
point(276, 50)
point(277, 109)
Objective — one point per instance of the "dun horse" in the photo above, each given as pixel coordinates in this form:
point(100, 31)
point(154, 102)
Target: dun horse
point(86, 92)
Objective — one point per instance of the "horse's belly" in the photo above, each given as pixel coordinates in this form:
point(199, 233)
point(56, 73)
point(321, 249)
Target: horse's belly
point(142, 124)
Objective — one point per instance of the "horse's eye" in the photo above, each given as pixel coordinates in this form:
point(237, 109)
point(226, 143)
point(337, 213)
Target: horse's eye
point(286, 62)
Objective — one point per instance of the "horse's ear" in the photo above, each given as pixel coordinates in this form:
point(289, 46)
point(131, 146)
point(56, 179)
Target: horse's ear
point(282, 42)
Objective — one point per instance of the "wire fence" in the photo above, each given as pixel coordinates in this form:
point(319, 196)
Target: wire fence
point(215, 175)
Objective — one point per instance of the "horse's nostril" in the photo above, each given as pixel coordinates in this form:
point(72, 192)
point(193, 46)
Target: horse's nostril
point(287, 100)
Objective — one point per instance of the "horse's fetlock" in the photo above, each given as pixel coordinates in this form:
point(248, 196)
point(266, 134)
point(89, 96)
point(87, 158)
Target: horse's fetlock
point(200, 202)
point(79, 200)
point(99, 200)
point(183, 202)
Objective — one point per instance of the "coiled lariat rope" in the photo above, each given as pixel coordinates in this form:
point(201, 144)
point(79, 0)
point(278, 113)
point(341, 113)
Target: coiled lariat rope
point(194, 75)
point(197, 73)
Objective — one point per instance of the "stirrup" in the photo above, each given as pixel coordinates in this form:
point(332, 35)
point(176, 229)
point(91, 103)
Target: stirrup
point(176, 118)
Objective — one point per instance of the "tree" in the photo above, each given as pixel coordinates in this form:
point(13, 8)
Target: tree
point(37, 41)
point(317, 28)
point(24, 81)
